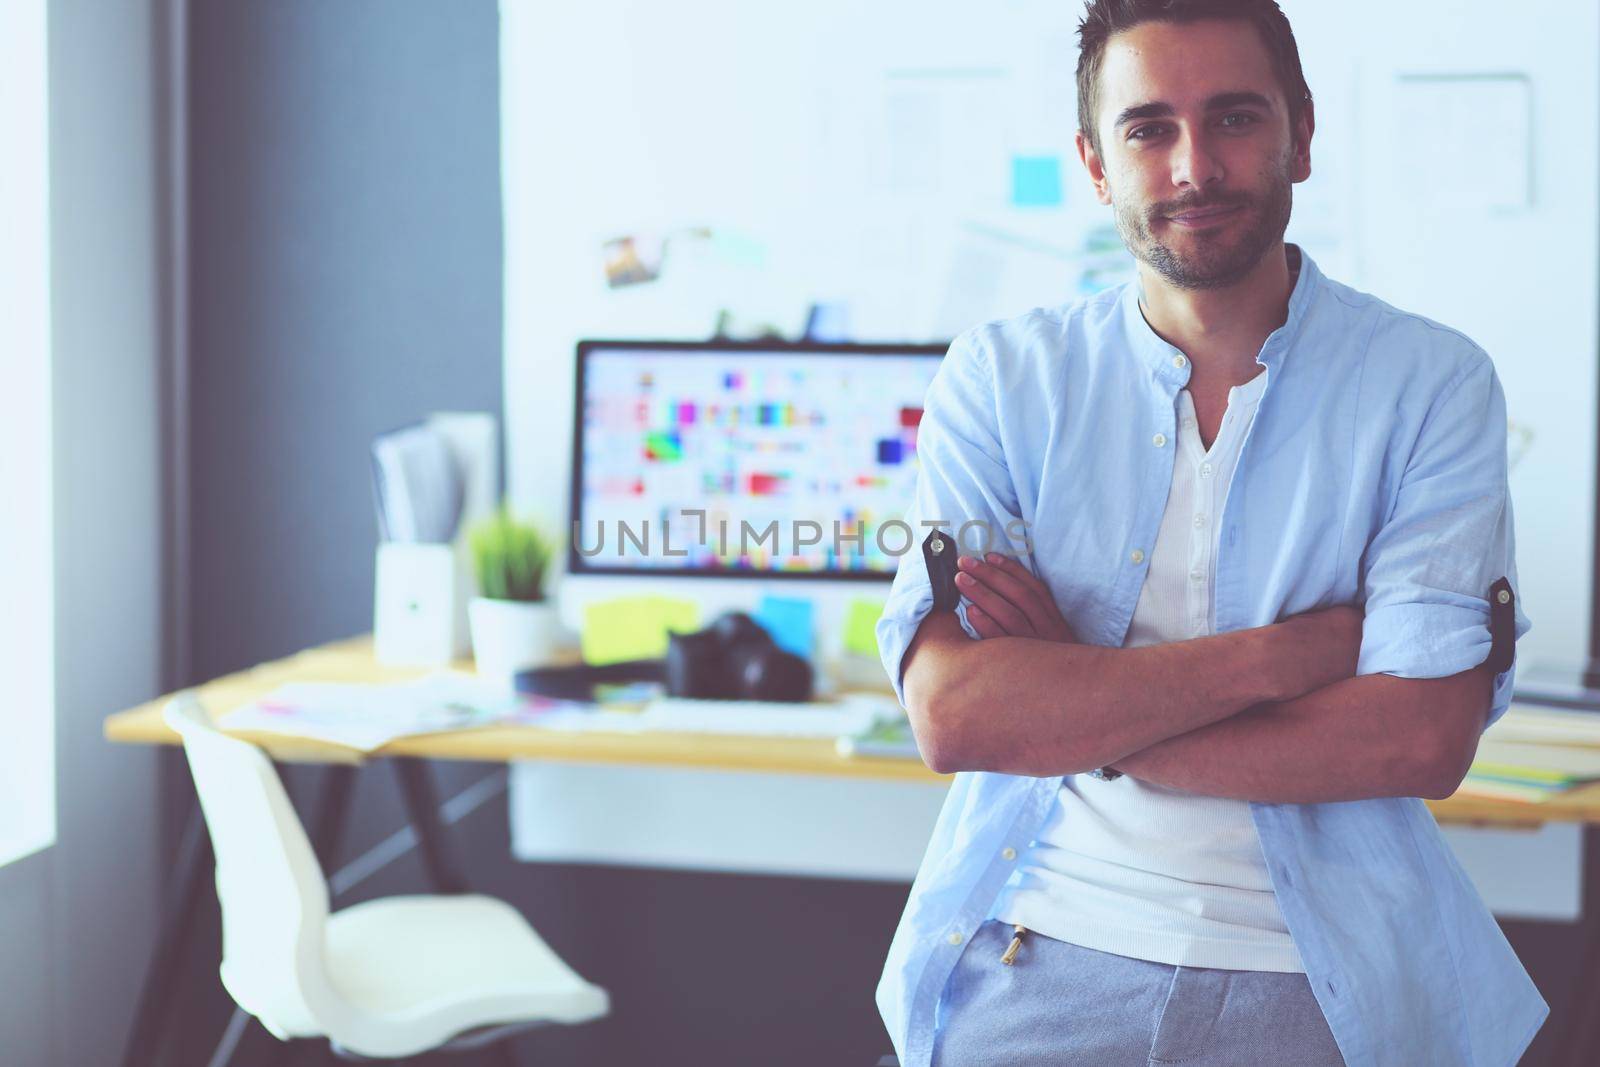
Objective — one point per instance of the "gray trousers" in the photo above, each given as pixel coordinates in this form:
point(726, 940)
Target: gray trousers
point(1059, 1003)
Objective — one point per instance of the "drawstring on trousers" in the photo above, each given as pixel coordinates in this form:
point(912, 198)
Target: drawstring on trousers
point(1010, 955)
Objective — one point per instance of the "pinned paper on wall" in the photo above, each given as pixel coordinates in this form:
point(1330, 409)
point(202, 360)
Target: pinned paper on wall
point(1036, 181)
point(860, 626)
point(634, 627)
point(788, 620)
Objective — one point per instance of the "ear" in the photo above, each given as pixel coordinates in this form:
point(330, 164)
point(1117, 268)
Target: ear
point(1300, 162)
point(1097, 170)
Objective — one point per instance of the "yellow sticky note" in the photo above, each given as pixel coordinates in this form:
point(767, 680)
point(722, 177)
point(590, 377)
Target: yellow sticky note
point(634, 627)
point(860, 626)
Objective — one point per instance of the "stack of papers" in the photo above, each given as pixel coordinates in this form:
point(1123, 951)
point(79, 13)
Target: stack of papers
point(418, 484)
point(1535, 753)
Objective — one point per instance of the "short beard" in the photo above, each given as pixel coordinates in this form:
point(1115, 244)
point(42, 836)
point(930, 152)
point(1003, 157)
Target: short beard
point(1225, 268)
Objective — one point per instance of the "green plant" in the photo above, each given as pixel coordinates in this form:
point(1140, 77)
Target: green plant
point(509, 557)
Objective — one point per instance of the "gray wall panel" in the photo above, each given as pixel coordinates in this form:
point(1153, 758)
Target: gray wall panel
point(345, 279)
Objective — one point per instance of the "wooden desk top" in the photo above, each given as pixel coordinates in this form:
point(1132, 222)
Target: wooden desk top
point(352, 661)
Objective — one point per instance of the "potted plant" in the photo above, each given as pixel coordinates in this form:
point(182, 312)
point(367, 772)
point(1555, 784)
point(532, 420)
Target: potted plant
point(513, 623)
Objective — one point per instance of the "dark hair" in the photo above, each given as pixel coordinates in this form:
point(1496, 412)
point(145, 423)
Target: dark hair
point(1106, 17)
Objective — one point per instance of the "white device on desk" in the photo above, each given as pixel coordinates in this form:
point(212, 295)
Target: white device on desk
point(430, 482)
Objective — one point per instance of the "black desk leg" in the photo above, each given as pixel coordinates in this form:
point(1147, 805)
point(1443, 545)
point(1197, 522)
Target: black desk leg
point(172, 936)
point(1579, 1044)
point(333, 805)
point(422, 808)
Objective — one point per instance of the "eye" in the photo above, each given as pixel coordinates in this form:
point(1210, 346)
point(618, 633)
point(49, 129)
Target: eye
point(1135, 134)
point(1249, 119)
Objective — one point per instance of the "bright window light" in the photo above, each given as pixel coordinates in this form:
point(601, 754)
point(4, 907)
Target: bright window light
point(27, 618)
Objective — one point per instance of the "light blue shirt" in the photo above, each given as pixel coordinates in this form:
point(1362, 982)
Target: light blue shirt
point(1374, 472)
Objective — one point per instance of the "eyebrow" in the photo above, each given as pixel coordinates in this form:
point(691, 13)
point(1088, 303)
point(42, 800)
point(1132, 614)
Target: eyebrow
point(1216, 103)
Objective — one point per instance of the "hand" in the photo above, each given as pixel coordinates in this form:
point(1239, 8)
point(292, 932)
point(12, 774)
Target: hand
point(1007, 601)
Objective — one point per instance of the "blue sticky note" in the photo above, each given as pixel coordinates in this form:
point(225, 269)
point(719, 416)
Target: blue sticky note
point(1036, 181)
point(788, 620)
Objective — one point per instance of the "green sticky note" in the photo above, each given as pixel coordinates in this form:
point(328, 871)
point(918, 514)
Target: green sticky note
point(860, 626)
point(634, 627)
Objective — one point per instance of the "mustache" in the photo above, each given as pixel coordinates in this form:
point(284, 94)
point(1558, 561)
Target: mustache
point(1186, 206)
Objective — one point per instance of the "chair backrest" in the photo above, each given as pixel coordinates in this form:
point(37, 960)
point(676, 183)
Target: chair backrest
point(272, 891)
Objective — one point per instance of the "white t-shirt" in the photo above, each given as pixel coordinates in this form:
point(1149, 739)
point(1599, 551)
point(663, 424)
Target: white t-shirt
point(1137, 869)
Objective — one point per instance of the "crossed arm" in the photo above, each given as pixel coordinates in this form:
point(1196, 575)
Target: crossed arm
point(1275, 714)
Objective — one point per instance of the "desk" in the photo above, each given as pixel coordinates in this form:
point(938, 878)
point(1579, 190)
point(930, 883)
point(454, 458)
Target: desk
point(352, 661)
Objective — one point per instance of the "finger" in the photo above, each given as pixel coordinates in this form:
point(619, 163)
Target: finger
point(1012, 568)
point(1021, 591)
point(982, 623)
point(995, 605)
point(1041, 605)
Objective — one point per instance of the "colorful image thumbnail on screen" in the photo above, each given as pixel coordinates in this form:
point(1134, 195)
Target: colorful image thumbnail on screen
point(737, 462)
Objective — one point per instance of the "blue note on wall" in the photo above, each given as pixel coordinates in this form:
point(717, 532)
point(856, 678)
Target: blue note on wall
point(1036, 181)
point(788, 619)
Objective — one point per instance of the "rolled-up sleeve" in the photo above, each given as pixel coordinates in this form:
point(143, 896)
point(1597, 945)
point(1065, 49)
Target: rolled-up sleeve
point(1449, 536)
point(963, 485)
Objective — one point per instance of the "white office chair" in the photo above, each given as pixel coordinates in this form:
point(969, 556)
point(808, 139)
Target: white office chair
point(386, 979)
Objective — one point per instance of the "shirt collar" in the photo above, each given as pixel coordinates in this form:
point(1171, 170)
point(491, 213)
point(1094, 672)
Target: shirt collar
point(1167, 361)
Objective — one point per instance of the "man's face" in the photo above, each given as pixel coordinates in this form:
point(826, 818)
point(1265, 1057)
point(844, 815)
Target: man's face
point(1192, 118)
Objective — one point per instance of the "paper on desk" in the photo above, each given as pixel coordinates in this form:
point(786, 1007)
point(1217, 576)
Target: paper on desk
point(1544, 725)
point(1520, 759)
point(1476, 785)
point(367, 717)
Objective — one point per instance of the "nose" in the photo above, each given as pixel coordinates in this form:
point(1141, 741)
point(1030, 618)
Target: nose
point(1194, 164)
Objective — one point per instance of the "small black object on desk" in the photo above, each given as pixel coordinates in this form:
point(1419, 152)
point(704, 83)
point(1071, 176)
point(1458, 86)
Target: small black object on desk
point(734, 658)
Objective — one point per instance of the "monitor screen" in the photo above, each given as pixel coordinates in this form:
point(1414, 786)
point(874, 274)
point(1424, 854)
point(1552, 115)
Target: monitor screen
point(747, 459)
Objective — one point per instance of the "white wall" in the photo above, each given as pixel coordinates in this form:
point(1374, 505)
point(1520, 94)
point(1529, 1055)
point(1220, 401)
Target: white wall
point(1523, 284)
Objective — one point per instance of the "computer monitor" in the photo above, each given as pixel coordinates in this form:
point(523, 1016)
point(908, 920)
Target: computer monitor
point(777, 461)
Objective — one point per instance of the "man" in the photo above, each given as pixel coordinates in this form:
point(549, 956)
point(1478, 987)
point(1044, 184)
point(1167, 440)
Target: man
point(1263, 513)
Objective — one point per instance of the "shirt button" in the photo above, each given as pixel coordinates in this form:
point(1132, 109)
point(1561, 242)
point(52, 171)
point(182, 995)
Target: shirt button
point(1198, 576)
point(1188, 424)
point(1136, 555)
point(1205, 469)
point(1159, 439)
point(1178, 361)
point(1199, 520)
point(954, 938)
point(1008, 853)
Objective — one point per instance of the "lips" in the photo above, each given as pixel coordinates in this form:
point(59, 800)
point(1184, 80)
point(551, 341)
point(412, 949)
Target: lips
point(1202, 214)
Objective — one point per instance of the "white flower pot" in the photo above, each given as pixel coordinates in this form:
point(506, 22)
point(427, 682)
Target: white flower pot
point(512, 635)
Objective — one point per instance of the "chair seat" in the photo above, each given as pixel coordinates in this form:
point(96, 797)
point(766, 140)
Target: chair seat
point(439, 966)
